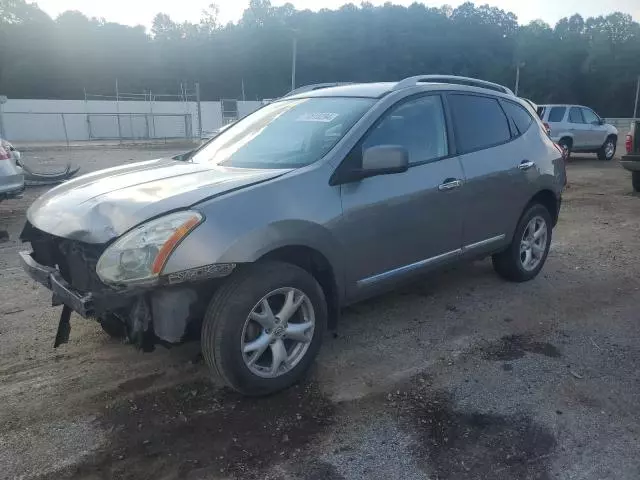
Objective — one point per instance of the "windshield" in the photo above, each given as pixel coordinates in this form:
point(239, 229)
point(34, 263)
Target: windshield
point(285, 134)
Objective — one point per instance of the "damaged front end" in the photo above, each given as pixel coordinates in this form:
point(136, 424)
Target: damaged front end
point(165, 309)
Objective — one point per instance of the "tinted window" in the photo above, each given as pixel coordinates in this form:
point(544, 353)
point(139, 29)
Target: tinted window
point(556, 114)
point(575, 115)
point(479, 122)
point(589, 116)
point(518, 115)
point(285, 134)
point(418, 125)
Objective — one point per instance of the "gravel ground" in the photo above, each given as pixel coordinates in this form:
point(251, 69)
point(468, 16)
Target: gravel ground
point(458, 376)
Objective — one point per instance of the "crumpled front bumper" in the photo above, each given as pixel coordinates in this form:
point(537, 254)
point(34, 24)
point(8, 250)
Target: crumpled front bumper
point(63, 293)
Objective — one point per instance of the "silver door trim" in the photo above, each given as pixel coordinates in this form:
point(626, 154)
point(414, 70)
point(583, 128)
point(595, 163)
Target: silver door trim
point(483, 243)
point(407, 268)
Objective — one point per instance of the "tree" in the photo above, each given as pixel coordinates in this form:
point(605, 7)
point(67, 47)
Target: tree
point(592, 61)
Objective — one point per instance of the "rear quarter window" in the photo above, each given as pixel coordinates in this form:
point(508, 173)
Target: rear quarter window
point(520, 118)
point(479, 122)
point(556, 114)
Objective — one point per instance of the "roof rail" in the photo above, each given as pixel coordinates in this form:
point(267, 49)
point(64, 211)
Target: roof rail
point(473, 82)
point(315, 86)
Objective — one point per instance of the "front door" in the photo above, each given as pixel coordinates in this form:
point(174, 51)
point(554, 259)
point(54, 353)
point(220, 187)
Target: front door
point(399, 224)
point(597, 132)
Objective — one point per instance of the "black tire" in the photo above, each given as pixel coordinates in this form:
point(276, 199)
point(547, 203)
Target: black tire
point(508, 263)
point(230, 306)
point(113, 326)
point(566, 145)
point(635, 181)
point(602, 154)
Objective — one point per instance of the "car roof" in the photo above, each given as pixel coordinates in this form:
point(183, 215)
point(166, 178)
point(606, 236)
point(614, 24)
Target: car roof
point(368, 90)
point(380, 89)
point(567, 105)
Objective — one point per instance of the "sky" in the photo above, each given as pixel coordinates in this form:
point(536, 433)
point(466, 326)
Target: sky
point(141, 12)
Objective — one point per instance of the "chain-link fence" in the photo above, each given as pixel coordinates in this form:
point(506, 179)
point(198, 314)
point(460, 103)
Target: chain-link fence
point(139, 126)
point(71, 127)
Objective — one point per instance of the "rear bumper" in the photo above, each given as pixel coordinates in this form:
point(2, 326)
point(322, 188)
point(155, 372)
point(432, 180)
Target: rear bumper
point(631, 162)
point(62, 292)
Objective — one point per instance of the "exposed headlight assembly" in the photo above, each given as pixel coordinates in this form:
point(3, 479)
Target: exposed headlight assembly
point(140, 255)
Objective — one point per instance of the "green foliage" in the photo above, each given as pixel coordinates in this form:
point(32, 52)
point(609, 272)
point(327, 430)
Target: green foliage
point(590, 61)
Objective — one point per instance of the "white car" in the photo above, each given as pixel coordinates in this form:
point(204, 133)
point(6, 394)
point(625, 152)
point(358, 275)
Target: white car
point(579, 129)
point(11, 175)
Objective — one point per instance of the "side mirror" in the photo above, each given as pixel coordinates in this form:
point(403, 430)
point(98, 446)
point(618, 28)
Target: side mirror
point(184, 156)
point(384, 160)
point(380, 160)
point(601, 121)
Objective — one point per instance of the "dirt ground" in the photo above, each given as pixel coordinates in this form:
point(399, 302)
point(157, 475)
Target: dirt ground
point(459, 376)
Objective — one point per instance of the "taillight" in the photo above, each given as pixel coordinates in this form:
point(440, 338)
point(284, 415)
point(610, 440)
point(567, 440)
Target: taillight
point(547, 128)
point(4, 155)
point(628, 143)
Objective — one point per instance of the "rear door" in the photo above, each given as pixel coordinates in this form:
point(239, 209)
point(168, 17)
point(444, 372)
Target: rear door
point(495, 168)
point(555, 120)
point(580, 129)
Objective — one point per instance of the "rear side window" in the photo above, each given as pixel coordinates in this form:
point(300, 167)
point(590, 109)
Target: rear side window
point(556, 114)
point(519, 117)
point(575, 115)
point(479, 122)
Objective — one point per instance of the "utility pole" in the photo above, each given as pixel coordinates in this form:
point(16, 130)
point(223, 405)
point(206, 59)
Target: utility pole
point(635, 105)
point(517, 79)
point(293, 62)
point(199, 109)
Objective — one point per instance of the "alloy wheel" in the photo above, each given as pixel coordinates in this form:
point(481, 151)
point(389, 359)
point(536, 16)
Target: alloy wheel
point(277, 333)
point(533, 244)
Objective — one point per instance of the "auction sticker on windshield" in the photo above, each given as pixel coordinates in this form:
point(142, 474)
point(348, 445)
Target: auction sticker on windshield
point(318, 117)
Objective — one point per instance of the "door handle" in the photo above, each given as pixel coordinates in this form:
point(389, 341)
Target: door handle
point(526, 165)
point(450, 184)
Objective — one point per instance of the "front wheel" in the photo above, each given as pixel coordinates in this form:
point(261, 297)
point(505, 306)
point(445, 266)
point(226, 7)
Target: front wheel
point(608, 150)
point(528, 251)
point(264, 327)
point(113, 326)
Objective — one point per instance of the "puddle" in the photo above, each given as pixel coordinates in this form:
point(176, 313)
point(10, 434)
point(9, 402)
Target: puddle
point(195, 429)
point(512, 347)
point(461, 445)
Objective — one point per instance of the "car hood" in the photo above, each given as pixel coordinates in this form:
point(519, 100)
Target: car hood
point(100, 206)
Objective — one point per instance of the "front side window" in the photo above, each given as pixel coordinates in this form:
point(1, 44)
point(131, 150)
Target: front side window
point(479, 122)
point(575, 115)
point(556, 114)
point(519, 117)
point(285, 134)
point(417, 125)
point(590, 117)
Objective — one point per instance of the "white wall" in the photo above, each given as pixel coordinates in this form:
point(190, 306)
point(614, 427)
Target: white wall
point(42, 120)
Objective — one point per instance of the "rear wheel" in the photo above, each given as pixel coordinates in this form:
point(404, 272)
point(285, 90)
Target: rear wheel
point(608, 150)
point(635, 181)
point(528, 251)
point(565, 145)
point(264, 327)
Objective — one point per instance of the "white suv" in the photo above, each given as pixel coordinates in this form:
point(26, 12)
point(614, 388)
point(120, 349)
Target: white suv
point(579, 129)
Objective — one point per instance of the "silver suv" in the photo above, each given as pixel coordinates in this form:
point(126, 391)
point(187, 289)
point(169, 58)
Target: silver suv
point(257, 239)
point(579, 129)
